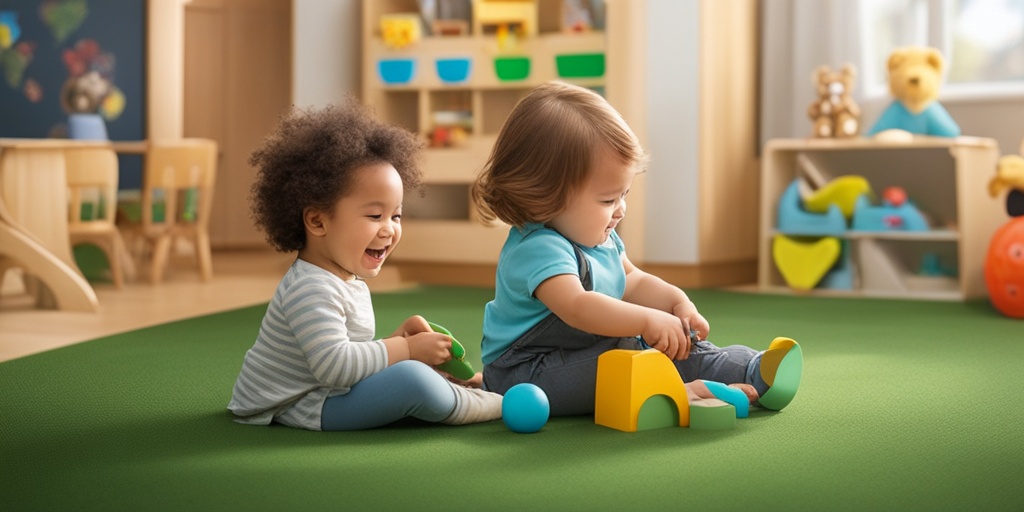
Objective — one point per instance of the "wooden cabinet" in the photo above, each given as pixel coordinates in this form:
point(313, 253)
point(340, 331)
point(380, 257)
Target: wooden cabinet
point(461, 88)
point(945, 179)
point(235, 55)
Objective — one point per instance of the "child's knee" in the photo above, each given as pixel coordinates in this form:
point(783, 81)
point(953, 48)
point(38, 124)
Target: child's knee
point(415, 373)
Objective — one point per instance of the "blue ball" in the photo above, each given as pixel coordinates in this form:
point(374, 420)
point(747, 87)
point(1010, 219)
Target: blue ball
point(525, 408)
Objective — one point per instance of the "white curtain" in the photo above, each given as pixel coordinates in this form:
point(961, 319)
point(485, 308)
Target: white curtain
point(797, 37)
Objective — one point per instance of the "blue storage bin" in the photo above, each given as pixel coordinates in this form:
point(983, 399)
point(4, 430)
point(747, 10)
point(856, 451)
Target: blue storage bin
point(454, 70)
point(396, 71)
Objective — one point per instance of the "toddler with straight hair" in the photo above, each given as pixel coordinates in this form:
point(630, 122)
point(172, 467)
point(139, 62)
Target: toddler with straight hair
point(565, 290)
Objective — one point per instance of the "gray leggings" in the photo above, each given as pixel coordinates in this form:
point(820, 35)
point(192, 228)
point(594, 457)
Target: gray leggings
point(562, 360)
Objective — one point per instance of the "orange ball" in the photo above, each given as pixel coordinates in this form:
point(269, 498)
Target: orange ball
point(1004, 268)
point(896, 196)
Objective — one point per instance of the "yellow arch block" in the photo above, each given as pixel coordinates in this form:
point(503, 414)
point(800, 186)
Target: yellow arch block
point(626, 379)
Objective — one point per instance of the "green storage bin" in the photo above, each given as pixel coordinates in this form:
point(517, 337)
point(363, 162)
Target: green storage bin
point(511, 68)
point(580, 65)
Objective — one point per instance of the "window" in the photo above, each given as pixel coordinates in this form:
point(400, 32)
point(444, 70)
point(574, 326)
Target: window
point(982, 40)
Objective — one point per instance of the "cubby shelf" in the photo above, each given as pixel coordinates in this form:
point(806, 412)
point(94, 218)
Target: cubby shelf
point(413, 90)
point(945, 178)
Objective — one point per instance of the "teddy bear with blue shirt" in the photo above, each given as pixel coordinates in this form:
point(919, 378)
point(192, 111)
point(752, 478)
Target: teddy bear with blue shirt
point(915, 76)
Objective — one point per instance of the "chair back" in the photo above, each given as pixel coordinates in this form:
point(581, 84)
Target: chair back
point(178, 184)
point(92, 175)
point(87, 127)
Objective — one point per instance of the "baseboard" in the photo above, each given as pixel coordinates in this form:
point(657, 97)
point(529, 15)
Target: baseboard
point(708, 275)
point(448, 274)
point(705, 275)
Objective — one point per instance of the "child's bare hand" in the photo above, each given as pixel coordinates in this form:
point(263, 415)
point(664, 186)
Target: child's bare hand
point(664, 332)
point(432, 348)
point(692, 320)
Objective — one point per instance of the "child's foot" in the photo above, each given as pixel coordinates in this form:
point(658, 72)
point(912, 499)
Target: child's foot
point(473, 405)
point(781, 368)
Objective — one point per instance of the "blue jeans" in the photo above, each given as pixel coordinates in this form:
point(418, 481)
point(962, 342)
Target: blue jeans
point(562, 360)
point(402, 390)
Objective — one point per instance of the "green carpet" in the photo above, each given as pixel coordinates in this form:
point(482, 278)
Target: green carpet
point(904, 406)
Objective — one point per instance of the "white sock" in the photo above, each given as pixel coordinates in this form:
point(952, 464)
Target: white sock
point(473, 405)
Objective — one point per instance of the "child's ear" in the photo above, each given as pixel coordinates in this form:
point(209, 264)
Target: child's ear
point(313, 219)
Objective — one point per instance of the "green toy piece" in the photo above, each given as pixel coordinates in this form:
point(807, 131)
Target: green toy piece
point(456, 366)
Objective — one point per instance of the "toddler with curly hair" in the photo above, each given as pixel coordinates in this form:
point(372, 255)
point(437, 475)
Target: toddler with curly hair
point(330, 185)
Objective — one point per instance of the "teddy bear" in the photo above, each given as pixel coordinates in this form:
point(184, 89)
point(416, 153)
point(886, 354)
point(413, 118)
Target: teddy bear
point(915, 76)
point(834, 112)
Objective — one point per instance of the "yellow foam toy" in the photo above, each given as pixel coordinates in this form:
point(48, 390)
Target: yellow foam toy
point(803, 263)
point(626, 379)
point(842, 192)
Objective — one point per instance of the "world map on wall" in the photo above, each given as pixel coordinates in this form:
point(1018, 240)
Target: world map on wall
point(89, 86)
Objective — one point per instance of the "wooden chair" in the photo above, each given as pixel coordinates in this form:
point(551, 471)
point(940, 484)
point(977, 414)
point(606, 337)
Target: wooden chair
point(177, 197)
point(92, 175)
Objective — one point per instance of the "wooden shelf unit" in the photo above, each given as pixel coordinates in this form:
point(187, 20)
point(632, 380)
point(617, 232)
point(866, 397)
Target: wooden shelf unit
point(945, 178)
point(442, 227)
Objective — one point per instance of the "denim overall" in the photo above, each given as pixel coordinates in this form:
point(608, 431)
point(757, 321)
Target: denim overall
point(562, 360)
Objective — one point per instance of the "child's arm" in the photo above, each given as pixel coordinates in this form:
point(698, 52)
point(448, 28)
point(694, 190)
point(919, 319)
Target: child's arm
point(653, 292)
point(600, 314)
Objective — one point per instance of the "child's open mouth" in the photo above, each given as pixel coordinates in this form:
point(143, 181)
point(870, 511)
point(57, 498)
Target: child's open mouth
point(377, 254)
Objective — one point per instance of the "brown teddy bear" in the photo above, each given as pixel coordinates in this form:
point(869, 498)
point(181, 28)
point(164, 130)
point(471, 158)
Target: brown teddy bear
point(915, 76)
point(834, 112)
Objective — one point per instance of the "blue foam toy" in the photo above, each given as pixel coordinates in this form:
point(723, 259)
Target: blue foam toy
point(840, 277)
point(525, 408)
point(887, 217)
point(731, 396)
point(793, 219)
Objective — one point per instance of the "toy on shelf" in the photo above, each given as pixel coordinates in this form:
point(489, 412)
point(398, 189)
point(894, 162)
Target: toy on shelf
point(521, 15)
point(803, 262)
point(896, 213)
point(840, 276)
point(915, 76)
point(456, 366)
point(400, 29)
point(842, 192)
point(1010, 175)
point(833, 112)
point(794, 219)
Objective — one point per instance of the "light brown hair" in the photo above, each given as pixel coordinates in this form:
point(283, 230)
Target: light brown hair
point(545, 150)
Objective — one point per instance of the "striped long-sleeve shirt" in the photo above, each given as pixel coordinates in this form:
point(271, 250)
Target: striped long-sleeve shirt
point(316, 340)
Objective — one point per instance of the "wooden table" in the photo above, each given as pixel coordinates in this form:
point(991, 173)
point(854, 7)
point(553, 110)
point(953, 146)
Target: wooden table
point(34, 218)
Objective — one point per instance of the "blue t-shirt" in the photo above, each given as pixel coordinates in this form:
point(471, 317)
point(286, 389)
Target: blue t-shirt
point(530, 256)
point(933, 120)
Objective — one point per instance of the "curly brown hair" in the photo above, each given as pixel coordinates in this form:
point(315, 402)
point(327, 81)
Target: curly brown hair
point(308, 162)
